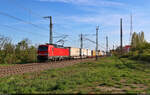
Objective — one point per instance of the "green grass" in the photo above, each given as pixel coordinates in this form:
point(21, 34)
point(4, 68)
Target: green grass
point(108, 75)
point(6, 64)
point(14, 64)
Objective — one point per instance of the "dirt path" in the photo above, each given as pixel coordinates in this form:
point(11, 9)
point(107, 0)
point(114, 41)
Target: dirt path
point(36, 67)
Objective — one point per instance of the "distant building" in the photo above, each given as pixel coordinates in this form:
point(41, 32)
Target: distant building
point(126, 48)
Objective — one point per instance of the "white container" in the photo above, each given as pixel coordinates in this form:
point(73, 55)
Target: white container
point(89, 52)
point(84, 52)
point(74, 52)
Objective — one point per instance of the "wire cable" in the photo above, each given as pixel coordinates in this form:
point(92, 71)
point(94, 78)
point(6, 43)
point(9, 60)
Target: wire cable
point(21, 30)
point(21, 20)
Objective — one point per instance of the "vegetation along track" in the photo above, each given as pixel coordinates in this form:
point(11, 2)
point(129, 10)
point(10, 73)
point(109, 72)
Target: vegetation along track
point(35, 67)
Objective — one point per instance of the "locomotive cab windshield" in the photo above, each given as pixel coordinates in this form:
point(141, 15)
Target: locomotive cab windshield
point(43, 48)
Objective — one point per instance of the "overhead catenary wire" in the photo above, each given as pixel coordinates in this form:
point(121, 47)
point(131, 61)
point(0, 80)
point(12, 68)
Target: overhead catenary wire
point(30, 11)
point(5, 14)
point(91, 40)
point(21, 20)
point(58, 33)
point(20, 30)
point(94, 42)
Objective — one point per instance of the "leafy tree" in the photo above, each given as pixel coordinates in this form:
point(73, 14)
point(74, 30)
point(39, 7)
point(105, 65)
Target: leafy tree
point(142, 39)
point(24, 52)
point(138, 40)
point(3, 41)
point(20, 53)
point(10, 56)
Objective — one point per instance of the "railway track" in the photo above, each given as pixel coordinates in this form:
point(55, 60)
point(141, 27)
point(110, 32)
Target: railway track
point(36, 67)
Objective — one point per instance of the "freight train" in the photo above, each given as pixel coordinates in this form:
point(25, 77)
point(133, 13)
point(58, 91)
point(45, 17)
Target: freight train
point(58, 52)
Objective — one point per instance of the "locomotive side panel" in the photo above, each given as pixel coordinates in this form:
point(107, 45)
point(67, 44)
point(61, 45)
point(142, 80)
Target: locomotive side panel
point(60, 52)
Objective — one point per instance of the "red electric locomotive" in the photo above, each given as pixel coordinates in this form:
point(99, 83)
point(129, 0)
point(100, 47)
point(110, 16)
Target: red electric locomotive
point(52, 52)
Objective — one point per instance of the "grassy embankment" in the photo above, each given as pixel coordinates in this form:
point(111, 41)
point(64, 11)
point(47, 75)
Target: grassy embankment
point(6, 64)
point(105, 76)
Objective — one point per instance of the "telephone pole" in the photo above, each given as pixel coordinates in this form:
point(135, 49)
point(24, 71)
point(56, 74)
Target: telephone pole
point(121, 44)
point(97, 28)
point(106, 45)
point(81, 45)
point(131, 29)
point(51, 26)
point(113, 47)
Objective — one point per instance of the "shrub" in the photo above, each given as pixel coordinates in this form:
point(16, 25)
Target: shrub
point(20, 53)
point(145, 55)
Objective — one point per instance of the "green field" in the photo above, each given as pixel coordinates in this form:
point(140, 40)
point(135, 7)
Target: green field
point(6, 64)
point(108, 75)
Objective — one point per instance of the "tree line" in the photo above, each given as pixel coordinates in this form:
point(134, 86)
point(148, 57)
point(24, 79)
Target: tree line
point(22, 52)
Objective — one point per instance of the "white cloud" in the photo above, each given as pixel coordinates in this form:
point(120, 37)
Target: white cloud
point(107, 19)
point(88, 2)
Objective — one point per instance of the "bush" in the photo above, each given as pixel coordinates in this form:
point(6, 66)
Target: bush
point(145, 55)
point(20, 53)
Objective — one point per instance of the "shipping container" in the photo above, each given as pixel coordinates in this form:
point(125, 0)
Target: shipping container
point(93, 53)
point(84, 53)
point(74, 52)
point(100, 53)
point(103, 53)
point(89, 53)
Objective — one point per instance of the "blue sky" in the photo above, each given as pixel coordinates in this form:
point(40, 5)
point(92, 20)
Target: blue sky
point(73, 17)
